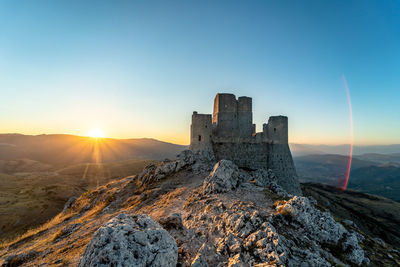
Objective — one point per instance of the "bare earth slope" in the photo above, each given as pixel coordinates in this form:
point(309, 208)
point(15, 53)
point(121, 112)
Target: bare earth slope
point(217, 214)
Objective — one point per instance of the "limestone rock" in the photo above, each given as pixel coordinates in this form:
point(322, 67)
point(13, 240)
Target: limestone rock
point(199, 261)
point(380, 241)
point(173, 221)
point(206, 256)
point(147, 176)
point(348, 222)
point(185, 158)
point(266, 178)
point(130, 241)
point(320, 225)
point(200, 161)
point(223, 178)
point(356, 253)
point(70, 229)
point(242, 235)
point(69, 203)
point(19, 259)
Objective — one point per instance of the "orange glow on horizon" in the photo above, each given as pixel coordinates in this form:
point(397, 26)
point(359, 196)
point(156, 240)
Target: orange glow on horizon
point(96, 133)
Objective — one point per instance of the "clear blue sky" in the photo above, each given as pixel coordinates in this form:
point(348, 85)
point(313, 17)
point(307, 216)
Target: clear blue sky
point(139, 69)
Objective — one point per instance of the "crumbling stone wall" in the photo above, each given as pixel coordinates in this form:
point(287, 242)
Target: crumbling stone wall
point(245, 154)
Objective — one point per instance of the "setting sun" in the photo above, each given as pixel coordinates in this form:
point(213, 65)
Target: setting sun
point(96, 133)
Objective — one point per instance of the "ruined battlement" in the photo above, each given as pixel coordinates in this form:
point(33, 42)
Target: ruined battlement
point(232, 122)
point(229, 133)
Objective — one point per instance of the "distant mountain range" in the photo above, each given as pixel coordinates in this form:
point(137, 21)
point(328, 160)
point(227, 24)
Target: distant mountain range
point(70, 149)
point(305, 149)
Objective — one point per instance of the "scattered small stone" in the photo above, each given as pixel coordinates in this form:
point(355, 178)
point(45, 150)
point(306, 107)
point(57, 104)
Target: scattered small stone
point(19, 259)
point(69, 203)
point(173, 221)
point(348, 222)
point(380, 241)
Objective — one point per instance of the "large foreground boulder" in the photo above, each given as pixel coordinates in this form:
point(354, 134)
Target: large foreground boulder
point(130, 241)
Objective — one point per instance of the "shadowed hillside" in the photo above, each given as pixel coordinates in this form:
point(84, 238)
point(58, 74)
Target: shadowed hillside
point(377, 216)
point(370, 173)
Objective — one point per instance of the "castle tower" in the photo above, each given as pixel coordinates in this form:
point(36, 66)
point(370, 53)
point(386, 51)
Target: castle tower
point(225, 115)
point(245, 116)
point(200, 132)
point(277, 129)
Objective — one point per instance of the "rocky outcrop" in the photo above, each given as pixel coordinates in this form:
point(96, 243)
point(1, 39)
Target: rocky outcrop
point(130, 241)
point(318, 225)
point(18, 259)
point(223, 178)
point(237, 235)
point(173, 221)
point(266, 178)
point(319, 229)
point(69, 203)
point(241, 234)
point(200, 162)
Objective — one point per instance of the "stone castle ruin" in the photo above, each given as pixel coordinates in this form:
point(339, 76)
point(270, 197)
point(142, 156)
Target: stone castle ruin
point(229, 133)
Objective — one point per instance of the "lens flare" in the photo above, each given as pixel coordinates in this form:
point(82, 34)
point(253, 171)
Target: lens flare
point(344, 186)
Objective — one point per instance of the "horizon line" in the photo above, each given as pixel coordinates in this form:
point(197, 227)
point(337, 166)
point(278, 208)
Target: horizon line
point(180, 144)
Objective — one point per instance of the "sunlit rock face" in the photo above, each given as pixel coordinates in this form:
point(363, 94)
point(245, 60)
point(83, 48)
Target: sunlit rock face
point(130, 241)
point(223, 178)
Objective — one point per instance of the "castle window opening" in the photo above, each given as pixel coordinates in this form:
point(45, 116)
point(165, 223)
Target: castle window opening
point(199, 138)
point(274, 130)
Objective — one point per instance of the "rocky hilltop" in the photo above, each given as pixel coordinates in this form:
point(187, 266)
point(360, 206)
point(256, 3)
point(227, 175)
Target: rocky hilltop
point(193, 211)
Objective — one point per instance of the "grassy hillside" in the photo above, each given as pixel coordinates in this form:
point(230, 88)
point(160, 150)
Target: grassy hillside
point(329, 169)
point(32, 192)
point(384, 181)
